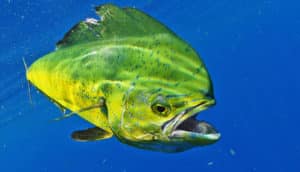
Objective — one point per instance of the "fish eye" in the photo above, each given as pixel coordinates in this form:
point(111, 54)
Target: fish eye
point(161, 109)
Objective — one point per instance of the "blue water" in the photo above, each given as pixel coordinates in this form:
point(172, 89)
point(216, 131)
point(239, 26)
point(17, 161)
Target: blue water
point(251, 49)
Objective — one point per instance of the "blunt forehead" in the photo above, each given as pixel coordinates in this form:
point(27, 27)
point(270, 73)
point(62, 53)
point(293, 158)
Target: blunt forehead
point(170, 66)
point(173, 88)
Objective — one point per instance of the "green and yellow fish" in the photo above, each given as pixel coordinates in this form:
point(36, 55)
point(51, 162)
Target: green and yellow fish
point(132, 78)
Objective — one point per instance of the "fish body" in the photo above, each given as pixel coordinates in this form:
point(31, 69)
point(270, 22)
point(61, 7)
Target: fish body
point(131, 77)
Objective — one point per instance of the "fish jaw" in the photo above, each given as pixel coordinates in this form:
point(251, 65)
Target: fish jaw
point(180, 133)
point(185, 128)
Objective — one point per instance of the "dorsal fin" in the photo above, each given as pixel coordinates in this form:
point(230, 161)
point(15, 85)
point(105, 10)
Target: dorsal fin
point(115, 23)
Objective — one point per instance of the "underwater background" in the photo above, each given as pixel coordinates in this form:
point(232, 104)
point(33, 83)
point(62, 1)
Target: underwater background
point(251, 50)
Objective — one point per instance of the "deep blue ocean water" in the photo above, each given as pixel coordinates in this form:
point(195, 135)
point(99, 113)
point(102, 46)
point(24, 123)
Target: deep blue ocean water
point(251, 49)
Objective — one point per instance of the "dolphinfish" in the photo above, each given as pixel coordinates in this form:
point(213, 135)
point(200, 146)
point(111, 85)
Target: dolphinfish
point(130, 77)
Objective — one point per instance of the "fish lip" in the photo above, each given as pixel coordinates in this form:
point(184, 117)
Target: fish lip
point(171, 130)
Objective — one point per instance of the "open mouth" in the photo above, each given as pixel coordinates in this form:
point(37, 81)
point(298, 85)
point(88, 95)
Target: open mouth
point(186, 127)
point(197, 129)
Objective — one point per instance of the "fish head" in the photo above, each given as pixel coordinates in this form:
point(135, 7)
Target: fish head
point(163, 117)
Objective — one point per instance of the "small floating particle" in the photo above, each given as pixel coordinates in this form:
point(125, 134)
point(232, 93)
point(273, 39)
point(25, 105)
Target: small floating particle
point(232, 152)
point(104, 161)
point(210, 163)
point(4, 146)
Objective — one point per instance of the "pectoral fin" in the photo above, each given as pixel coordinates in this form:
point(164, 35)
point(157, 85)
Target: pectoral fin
point(91, 134)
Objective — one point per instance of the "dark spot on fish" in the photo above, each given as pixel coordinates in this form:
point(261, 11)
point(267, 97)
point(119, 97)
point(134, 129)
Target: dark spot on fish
point(156, 91)
point(166, 67)
point(75, 75)
point(82, 93)
point(143, 62)
point(130, 115)
point(175, 96)
point(179, 104)
point(158, 61)
point(67, 100)
point(157, 42)
point(136, 66)
point(187, 49)
point(103, 106)
point(88, 66)
point(106, 89)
